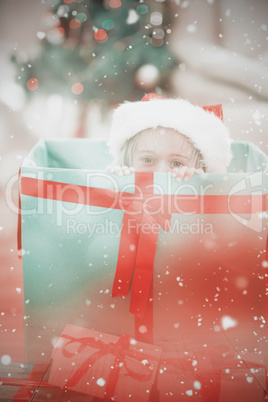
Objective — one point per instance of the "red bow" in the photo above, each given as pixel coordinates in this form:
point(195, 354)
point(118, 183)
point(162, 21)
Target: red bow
point(120, 350)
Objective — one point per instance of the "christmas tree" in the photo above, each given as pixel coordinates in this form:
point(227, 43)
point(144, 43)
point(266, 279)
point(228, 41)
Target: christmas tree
point(110, 50)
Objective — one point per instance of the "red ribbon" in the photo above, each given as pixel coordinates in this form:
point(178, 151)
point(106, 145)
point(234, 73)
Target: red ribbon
point(120, 350)
point(137, 247)
point(209, 366)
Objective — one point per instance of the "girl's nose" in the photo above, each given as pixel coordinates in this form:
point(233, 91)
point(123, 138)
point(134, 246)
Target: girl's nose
point(163, 167)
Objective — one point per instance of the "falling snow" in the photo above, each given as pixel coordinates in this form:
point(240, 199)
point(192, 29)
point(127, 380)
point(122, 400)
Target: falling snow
point(234, 287)
point(5, 360)
point(101, 382)
point(228, 322)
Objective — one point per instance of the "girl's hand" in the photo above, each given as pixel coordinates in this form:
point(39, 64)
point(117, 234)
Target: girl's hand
point(181, 173)
point(185, 173)
point(121, 170)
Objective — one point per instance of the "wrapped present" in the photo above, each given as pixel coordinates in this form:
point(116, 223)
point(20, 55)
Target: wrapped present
point(216, 374)
point(27, 382)
point(19, 382)
point(140, 254)
point(104, 365)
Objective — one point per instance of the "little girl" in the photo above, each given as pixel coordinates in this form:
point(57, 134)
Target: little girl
point(162, 135)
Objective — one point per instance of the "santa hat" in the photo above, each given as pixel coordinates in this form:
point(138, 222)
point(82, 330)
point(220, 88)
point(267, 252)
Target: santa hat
point(202, 125)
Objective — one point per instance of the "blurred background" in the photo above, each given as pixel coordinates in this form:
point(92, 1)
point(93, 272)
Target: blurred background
point(65, 65)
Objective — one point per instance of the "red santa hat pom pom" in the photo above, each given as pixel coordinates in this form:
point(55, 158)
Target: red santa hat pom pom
point(202, 125)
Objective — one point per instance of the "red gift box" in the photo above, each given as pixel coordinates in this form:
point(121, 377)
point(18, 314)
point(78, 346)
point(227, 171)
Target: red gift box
point(214, 374)
point(27, 382)
point(19, 382)
point(104, 365)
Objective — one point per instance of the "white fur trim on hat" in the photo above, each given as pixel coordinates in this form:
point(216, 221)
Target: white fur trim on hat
point(206, 131)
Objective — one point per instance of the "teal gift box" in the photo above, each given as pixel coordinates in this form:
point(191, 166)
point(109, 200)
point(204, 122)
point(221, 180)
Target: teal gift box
point(141, 254)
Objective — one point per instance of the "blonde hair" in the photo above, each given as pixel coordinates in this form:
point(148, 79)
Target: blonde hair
point(126, 154)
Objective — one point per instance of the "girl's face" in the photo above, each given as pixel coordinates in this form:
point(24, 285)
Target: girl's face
point(161, 150)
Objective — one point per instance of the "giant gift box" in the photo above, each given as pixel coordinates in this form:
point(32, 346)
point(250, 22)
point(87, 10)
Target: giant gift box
point(142, 254)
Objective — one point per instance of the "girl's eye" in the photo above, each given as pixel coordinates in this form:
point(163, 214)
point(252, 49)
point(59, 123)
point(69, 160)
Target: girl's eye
point(148, 160)
point(176, 164)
